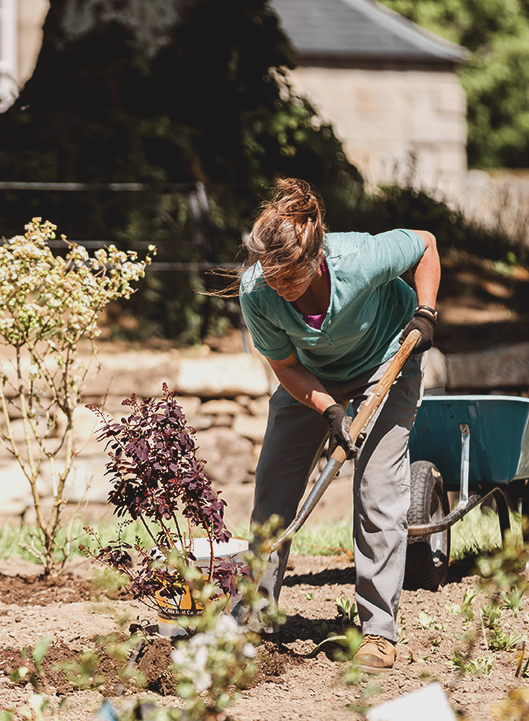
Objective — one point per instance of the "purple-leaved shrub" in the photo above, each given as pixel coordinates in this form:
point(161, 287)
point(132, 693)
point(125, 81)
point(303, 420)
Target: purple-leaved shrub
point(157, 479)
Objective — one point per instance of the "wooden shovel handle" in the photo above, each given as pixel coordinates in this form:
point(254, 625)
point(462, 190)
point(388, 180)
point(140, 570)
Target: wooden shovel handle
point(370, 406)
point(358, 425)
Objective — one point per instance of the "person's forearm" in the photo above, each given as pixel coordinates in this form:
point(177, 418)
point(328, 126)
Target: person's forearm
point(427, 272)
point(304, 387)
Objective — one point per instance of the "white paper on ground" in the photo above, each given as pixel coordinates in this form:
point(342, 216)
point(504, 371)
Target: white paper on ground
point(429, 702)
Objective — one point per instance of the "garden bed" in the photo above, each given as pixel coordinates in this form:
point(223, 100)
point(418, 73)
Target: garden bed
point(289, 684)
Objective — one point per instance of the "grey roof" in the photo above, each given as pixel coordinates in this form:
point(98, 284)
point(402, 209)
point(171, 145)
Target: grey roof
point(360, 29)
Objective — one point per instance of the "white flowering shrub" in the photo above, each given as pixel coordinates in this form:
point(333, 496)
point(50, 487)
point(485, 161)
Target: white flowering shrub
point(212, 661)
point(48, 304)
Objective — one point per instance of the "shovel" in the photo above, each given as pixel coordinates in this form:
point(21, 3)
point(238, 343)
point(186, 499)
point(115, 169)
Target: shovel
point(357, 431)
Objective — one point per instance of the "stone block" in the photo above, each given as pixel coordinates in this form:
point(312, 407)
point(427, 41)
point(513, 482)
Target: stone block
point(190, 405)
point(86, 481)
point(18, 431)
point(14, 486)
point(252, 427)
point(223, 420)
point(435, 373)
point(12, 509)
point(200, 423)
point(221, 407)
point(259, 406)
point(85, 422)
point(122, 374)
point(228, 456)
point(501, 367)
point(223, 375)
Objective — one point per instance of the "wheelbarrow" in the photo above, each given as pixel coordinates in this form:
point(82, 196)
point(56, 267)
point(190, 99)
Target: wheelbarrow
point(475, 445)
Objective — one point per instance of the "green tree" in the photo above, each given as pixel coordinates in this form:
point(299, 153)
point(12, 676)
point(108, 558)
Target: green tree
point(169, 91)
point(496, 77)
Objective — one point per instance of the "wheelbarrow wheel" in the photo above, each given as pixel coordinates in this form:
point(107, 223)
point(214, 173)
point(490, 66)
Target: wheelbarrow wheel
point(427, 556)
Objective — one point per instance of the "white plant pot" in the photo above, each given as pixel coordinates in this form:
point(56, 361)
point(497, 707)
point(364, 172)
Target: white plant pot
point(171, 610)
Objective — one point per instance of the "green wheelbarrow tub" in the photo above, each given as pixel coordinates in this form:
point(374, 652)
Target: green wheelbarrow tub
point(474, 445)
point(499, 437)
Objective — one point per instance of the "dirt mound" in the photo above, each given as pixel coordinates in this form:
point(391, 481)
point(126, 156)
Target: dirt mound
point(39, 590)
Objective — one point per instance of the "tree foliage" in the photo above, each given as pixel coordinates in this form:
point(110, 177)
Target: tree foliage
point(171, 91)
point(496, 76)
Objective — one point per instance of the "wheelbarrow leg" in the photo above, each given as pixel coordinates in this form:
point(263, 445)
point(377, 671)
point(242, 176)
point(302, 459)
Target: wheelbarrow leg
point(503, 512)
point(525, 514)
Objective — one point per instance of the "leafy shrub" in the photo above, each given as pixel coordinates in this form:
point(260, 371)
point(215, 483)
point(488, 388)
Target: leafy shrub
point(48, 304)
point(155, 474)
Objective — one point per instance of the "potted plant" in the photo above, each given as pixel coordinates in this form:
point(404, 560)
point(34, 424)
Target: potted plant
point(158, 480)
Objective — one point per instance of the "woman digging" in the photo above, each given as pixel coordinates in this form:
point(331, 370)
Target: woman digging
point(328, 311)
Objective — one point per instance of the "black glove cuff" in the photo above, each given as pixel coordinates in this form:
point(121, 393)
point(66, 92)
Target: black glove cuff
point(427, 316)
point(332, 411)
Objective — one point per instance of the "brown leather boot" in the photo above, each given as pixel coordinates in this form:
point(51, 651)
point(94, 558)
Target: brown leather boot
point(376, 653)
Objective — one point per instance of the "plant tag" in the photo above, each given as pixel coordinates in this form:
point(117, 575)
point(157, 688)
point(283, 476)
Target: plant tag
point(428, 702)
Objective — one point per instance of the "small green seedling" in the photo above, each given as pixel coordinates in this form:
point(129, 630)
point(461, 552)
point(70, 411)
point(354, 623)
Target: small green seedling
point(84, 673)
point(496, 639)
point(321, 629)
point(501, 641)
point(425, 621)
point(402, 639)
point(466, 608)
point(513, 600)
point(491, 615)
point(347, 612)
point(478, 666)
point(435, 645)
point(453, 608)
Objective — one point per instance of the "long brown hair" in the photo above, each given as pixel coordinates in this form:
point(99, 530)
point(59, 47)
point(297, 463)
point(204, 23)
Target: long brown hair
point(287, 236)
point(289, 233)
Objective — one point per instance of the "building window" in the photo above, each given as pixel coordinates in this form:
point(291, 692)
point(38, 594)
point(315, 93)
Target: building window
point(8, 58)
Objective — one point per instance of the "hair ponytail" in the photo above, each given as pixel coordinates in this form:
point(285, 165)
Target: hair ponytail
point(287, 236)
point(289, 232)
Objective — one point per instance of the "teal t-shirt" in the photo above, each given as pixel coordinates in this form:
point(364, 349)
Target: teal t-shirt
point(369, 305)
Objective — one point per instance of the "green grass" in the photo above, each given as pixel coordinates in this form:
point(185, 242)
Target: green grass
point(326, 540)
point(480, 531)
point(14, 538)
point(477, 531)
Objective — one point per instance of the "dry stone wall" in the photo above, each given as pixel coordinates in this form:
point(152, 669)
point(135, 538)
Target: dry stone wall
point(225, 399)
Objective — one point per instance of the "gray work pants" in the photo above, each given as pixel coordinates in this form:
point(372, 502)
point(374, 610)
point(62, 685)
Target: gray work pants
point(292, 445)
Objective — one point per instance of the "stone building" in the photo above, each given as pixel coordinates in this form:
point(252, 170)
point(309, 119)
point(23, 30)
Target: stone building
point(388, 87)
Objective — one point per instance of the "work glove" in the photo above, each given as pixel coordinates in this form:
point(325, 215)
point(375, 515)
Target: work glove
point(339, 423)
point(424, 322)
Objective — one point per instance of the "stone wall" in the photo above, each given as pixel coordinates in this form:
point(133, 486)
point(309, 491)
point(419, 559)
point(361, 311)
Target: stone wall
point(396, 125)
point(498, 199)
point(225, 398)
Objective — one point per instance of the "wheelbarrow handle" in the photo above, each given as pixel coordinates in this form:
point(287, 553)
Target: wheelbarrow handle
point(358, 426)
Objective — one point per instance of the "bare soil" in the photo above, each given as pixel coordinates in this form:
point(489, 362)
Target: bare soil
point(290, 683)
